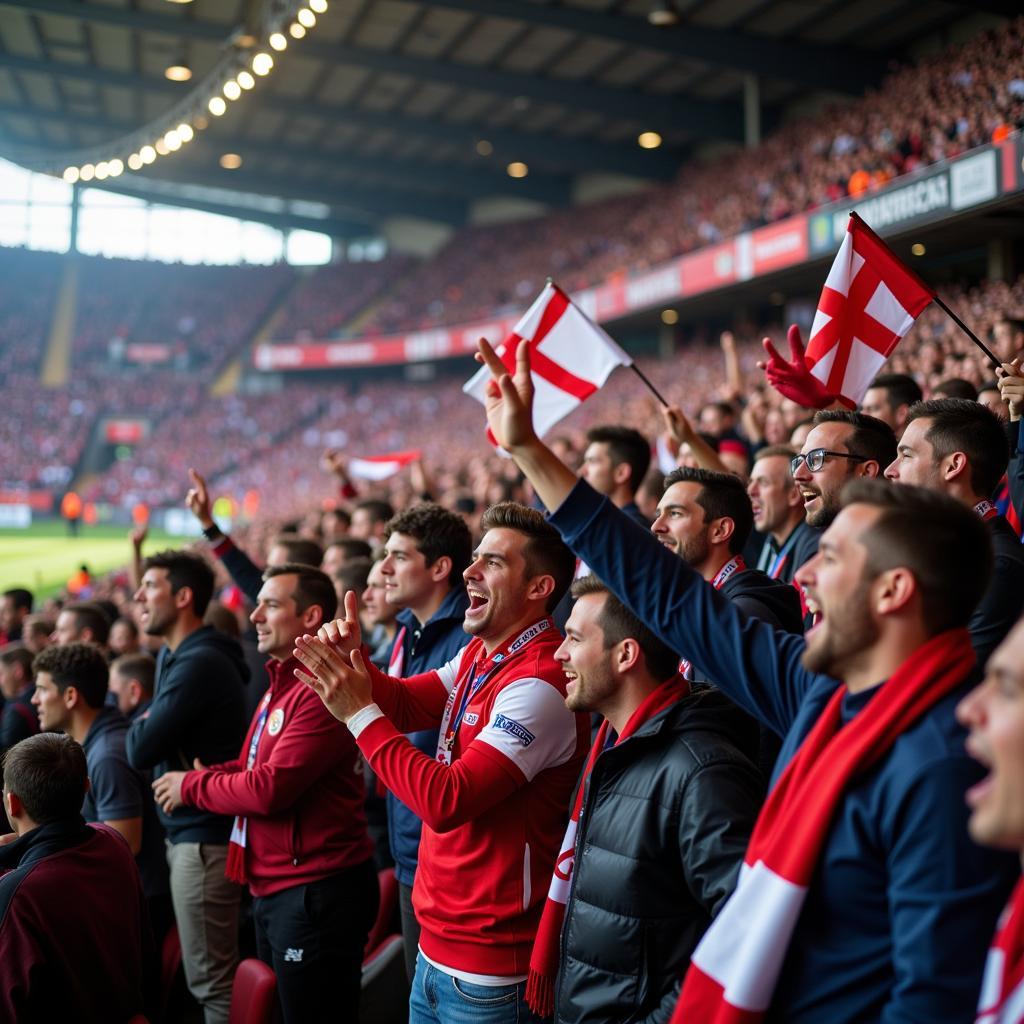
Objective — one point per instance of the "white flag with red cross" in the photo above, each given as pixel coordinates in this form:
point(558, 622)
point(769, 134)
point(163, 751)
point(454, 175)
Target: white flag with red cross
point(570, 358)
point(870, 300)
point(380, 467)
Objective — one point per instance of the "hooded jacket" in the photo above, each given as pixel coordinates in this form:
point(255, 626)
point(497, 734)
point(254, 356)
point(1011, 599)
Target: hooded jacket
point(198, 710)
point(664, 825)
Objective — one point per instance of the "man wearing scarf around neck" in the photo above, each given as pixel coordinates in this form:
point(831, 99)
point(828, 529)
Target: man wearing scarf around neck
point(862, 898)
point(659, 824)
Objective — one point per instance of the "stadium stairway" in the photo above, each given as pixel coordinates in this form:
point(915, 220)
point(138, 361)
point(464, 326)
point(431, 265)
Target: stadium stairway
point(227, 382)
point(57, 361)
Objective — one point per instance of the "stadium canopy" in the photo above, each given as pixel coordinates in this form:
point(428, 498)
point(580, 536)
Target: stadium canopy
point(418, 108)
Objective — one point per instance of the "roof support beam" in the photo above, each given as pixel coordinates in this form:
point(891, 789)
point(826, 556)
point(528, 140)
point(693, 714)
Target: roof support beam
point(836, 68)
point(699, 117)
point(545, 148)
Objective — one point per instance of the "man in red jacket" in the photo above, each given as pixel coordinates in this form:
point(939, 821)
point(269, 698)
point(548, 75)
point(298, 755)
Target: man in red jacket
point(299, 838)
point(494, 798)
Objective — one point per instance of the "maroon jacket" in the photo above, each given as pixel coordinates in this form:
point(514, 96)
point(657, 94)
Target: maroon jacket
point(75, 942)
point(303, 797)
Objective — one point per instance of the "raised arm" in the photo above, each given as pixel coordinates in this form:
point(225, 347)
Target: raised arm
point(247, 575)
point(757, 666)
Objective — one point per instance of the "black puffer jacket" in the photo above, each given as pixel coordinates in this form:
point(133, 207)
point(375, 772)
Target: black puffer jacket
point(665, 822)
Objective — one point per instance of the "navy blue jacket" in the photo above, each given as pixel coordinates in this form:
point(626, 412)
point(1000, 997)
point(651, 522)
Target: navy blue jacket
point(439, 640)
point(899, 916)
point(197, 711)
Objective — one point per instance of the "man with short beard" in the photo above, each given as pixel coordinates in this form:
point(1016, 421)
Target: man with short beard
point(959, 448)
point(659, 825)
point(840, 447)
point(299, 838)
point(862, 898)
point(493, 797)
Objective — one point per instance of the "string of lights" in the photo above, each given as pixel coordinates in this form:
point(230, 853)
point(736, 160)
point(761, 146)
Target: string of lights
point(236, 73)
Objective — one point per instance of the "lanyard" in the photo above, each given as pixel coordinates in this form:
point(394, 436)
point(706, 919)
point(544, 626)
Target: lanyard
point(986, 509)
point(782, 557)
point(450, 726)
point(730, 568)
point(257, 734)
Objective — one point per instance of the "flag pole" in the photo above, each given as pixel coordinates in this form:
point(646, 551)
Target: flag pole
point(654, 391)
point(970, 334)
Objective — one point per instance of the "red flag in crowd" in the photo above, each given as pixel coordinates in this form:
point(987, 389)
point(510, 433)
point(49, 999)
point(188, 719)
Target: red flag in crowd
point(380, 467)
point(870, 300)
point(570, 358)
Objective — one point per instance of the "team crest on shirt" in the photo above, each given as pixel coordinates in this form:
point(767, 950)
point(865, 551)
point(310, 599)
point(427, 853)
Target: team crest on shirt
point(276, 721)
point(510, 725)
point(471, 718)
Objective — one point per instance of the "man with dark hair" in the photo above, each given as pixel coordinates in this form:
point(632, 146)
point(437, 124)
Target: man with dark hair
point(840, 447)
point(36, 632)
point(124, 637)
point(246, 574)
point(955, 387)
point(196, 715)
point(615, 463)
point(369, 520)
point(18, 719)
point(299, 838)
point(779, 514)
point(70, 694)
point(341, 552)
point(132, 678)
point(889, 399)
point(663, 814)
point(861, 849)
point(492, 798)
point(82, 623)
point(15, 605)
point(706, 518)
point(427, 549)
point(959, 448)
point(75, 944)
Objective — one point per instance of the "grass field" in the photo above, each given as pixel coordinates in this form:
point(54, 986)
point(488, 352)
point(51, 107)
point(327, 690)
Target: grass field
point(44, 557)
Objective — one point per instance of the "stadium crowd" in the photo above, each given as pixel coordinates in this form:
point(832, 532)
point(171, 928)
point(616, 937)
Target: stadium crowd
point(710, 712)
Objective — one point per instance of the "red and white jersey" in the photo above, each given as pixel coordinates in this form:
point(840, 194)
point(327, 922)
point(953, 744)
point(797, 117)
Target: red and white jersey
point(494, 801)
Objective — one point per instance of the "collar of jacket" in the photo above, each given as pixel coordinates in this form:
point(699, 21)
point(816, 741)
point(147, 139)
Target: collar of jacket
point(43, 841)
point(453, 606)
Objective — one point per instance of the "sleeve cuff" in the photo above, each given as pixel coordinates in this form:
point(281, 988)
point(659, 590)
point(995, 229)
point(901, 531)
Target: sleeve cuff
point(362, 718)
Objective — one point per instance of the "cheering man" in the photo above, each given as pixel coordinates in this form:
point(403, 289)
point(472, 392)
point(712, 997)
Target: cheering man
point(299, 837)
point(493, 798)
point(862, 896)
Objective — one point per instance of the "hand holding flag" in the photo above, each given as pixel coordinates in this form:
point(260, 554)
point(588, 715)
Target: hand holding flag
point(571, 357)
point(380, 467)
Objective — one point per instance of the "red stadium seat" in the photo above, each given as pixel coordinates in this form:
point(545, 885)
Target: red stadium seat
point(253, 994)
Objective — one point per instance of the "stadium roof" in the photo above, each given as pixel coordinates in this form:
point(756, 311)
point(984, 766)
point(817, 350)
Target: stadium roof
point(417, 107)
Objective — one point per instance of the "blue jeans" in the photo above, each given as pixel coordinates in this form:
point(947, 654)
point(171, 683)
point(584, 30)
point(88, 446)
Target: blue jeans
point(438, 998)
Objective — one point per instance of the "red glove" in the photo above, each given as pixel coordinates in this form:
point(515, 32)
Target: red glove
point(794, 380)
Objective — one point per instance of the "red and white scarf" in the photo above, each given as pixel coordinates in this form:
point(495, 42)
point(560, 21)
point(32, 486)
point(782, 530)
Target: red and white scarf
point(735, 968)
point(234, 869)
point(540, 985)
point(1002, 990)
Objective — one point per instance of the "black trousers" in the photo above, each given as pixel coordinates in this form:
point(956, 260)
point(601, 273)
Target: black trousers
point(313, 937)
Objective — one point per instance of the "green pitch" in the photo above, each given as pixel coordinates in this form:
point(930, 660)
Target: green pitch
point(43, 557)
